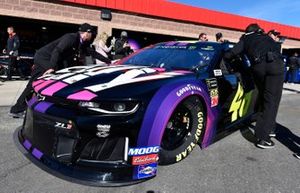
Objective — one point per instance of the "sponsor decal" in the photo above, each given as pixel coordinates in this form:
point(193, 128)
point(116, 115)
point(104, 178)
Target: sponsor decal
point(212, 86)
point(103, 130)
point(187, 88)
point(63, 125)
point(144, 159)
point(143, 150)
point(218, 72)
point(197, 135)
point(240, 103)
point(214, 96)
point(146, 171)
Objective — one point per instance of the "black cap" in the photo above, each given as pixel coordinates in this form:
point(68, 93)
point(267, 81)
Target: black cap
point(274, 32)
point(253, 27)
point(86, 28)
point(219, 35)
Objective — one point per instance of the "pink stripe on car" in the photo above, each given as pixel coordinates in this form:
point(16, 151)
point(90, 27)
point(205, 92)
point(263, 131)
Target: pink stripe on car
point(54, 88)
point(43, 85)
point(82, 95)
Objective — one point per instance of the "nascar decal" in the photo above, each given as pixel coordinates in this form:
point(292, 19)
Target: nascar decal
point(144, 159)
point(240, 104)
point(212, 87)
point(143, 150)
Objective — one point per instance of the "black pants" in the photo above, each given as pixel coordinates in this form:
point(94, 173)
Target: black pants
point(269, 79)
point(11, 65)
point(21, 105)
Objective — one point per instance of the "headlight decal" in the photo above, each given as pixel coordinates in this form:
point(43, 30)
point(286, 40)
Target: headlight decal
point(101, 110)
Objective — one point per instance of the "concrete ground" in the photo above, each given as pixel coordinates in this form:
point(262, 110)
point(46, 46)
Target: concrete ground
point(232, 164)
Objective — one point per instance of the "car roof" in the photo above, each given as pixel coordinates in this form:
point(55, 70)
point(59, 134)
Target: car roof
point(222, 46)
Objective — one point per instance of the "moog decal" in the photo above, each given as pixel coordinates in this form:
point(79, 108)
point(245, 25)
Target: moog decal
point(143, 150)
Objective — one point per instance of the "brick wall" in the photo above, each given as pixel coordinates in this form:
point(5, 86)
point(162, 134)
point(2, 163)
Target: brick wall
point(71, 14)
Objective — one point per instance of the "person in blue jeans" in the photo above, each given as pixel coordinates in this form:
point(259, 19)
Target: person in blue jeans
point(293, 65)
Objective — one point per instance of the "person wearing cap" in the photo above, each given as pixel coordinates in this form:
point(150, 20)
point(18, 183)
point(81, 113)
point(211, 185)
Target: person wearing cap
point(219, 38)
point(56, 55)
point(274, 34)
point(122, 47)
point(268, 73)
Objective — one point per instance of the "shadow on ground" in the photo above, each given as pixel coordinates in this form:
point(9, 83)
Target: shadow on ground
point(283, 135)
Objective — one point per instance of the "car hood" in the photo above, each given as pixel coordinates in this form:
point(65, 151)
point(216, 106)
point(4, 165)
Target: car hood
point(121, 81)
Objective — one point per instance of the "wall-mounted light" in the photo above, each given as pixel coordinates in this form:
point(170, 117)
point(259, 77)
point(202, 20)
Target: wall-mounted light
point(106, 14)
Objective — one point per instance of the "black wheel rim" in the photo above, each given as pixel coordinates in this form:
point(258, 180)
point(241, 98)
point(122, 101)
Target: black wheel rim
point(178, 128)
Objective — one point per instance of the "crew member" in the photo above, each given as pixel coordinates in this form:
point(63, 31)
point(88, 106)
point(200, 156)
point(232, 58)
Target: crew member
point(63, 52)
point(12, 50)
point(268, 72)
point(122, 47)
point(274, 34)
point(203, 37)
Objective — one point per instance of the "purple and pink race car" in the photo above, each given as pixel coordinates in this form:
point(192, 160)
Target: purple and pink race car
point(114, 125)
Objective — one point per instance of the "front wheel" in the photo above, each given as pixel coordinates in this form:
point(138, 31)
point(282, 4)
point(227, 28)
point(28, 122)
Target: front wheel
point(183, 131)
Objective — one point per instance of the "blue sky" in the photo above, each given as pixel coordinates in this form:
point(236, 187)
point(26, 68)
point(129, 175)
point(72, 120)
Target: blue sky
point(280, 11)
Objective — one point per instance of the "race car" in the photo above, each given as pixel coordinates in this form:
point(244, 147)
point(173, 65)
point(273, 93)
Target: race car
point(113, 125)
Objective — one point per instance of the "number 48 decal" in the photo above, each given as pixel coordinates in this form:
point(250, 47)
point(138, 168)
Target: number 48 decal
point(240, 104)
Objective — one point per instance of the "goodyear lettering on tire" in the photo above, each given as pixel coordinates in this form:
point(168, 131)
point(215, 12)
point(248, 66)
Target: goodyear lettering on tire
point(200, 125)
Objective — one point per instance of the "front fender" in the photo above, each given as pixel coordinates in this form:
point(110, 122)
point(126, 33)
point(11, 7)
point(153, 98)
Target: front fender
point(164, 103)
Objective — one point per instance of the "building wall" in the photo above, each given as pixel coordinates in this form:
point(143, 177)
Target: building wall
point(74, 14)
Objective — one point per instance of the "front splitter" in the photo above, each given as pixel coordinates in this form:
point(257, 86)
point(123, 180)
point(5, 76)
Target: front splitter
point(102, 178)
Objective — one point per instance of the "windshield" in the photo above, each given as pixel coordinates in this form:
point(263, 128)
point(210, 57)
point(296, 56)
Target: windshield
point(187, 56)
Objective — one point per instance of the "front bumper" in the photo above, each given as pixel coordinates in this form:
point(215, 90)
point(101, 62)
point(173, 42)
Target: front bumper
point(72, 154)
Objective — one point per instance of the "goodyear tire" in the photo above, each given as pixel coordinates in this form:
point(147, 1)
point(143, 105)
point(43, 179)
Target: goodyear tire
point(183, 132)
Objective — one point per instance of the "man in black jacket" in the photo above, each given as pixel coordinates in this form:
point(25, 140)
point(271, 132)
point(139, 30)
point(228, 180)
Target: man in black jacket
point(61, 53)
point(268, 73)
point(122, 47)
point(12, 50)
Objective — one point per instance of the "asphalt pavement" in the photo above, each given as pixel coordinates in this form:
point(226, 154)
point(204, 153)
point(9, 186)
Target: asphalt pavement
point(232, 164)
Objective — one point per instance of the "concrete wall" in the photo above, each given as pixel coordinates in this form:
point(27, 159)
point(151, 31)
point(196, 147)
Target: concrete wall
point(72, 14)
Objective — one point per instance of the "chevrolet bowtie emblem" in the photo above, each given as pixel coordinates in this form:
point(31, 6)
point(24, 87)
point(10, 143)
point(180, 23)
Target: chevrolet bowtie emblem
point(40, 97)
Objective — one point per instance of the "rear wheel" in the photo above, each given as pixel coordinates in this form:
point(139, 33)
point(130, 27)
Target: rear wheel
point(183, 132)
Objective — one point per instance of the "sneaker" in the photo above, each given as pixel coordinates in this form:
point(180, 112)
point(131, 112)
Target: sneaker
point(272, 134)
point(297, 155)
point(265, 144)
point(17, 115)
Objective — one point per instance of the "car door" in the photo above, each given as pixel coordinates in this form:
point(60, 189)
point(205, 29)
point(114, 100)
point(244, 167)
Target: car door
point(236, 91)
